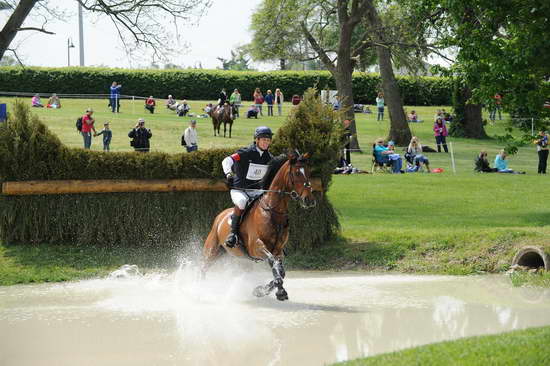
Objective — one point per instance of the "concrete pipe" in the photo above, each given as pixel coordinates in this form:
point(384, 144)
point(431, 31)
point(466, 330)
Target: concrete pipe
point(532, 257)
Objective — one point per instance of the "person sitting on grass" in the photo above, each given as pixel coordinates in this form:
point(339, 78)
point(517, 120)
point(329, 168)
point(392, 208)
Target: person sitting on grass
point(415, 156)
point(54, 102)
point(387, 155)
point(252, 112)
point(36, 102)
point(413, 117)
point(171, 103)
point(482, 164)
point(150, 104)
point(183, 108)
point(501, 164)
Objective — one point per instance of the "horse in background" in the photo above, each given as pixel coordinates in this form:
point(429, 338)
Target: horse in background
point(263, 232)
point(222, 114)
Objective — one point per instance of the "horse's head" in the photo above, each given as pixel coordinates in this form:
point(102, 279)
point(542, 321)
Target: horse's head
point(298, 180)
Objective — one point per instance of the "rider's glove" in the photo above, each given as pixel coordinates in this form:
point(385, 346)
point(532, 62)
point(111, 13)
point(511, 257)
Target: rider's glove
point(229, 178)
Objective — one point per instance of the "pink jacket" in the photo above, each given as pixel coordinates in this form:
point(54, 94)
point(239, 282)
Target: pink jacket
point(440, 130)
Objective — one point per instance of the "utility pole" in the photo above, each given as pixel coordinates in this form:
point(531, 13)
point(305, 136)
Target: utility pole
point(80, 34)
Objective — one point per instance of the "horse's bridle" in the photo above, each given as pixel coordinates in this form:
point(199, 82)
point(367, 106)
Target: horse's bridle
point(307, 185)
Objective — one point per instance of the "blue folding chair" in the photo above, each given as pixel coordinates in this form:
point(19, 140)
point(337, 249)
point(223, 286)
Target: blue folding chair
point(3, 112)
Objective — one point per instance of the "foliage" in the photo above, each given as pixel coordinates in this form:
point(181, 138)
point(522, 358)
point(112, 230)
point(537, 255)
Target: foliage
point(185, 83)
point(315, 128)
point(521, 347)
point(527, 279)
point(238, 60)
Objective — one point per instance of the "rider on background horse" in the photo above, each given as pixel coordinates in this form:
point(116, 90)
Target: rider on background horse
point(244, 171)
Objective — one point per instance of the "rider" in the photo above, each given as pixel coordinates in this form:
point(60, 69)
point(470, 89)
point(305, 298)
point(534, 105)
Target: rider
point(244, 171)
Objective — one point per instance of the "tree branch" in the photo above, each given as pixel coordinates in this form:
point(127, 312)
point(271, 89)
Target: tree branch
point(317, 48)
point(42, 30)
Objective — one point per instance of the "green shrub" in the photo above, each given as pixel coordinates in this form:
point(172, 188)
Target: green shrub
point(190, 84)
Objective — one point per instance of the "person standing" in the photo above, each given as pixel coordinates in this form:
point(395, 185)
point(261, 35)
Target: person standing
point(244, 170)
point(380, 106)
point(87, 128)
point(114, 99)
point(107, 135)
point(279, 99)
point(235, 100)
point(440, 133)
point(542, 151)
point(258, 100)
point(140, 137)
point(269, 99)
point(190, 137)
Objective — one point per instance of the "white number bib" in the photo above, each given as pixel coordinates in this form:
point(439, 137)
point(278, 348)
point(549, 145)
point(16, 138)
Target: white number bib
point(256, 171)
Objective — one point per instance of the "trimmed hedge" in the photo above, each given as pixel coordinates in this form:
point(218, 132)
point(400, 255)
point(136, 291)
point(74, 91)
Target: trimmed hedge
point(29, 151)
point(190, 84)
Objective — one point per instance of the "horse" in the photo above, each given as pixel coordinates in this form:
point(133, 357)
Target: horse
point(264, 227)
point(222, 114)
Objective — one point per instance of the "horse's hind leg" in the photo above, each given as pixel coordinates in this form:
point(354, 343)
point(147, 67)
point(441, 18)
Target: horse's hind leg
point(224, 129)
point(230, 127)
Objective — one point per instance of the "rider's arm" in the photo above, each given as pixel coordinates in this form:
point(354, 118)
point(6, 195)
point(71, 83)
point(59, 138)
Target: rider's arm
point(227, 164)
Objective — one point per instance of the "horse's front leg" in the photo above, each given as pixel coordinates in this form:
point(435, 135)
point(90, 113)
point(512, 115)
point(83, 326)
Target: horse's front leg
point(278, 272)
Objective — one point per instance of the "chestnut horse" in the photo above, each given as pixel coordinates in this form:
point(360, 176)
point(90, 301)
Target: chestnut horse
point(264, 229)
point(222, 114)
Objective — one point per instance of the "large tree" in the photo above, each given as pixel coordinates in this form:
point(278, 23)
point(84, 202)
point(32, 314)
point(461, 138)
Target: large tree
point(138, 22)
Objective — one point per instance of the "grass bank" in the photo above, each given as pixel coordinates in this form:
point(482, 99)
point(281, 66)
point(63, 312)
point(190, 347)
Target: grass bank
point(426, 223)
point(524, 347)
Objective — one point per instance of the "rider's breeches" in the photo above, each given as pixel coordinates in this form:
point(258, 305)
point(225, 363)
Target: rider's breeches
point(240, 198)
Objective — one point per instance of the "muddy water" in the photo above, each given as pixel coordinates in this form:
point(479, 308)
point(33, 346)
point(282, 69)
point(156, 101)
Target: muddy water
point(172, 319)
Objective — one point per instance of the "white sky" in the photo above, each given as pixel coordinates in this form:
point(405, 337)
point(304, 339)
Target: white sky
point(224, 27)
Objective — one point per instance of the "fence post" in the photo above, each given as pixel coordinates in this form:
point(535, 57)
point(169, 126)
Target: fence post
point(532, 126)
point(133, 105)
point(452, 157)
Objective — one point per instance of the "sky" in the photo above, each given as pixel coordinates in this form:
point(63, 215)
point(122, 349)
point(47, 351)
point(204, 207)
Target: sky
point(221, 29)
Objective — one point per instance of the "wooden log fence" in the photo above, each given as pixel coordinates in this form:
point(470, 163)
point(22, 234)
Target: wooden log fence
point(118, 185)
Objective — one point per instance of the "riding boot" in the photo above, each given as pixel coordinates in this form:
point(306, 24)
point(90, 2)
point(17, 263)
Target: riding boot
point(233, 237)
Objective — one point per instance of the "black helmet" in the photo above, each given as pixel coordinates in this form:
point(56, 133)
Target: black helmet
point(263, 131)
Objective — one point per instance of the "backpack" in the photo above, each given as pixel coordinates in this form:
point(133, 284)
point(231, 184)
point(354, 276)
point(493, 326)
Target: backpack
point(183, 143)
point(79, 124)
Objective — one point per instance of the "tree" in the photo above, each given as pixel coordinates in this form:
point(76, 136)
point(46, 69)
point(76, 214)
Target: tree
point(238, 61)
point(138, 22)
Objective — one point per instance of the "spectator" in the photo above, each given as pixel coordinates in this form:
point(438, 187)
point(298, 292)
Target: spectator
point(415, 156)
point(114, 99)
point(258, 100)
point(447, 116)
point(387, 154)
point(107, 135)
point(150, 104)
point(140, 137)
point(54, 102)
point(501, 164)
point(296, 99)
point(190, 137)
point(269, 99)
point(440, 132)
point(183, 108)
point(413, 117)
point(171, 103)
point(252, 112)
point(87, 128)
point(542, 151)
point(482, 164)
point(208, 108)
point(36, 102)
point(235, 100)
point(438, 114)
point(347, 140)
point(279, 99)
point(497, 107)
point(222, 98)
point(380, 106)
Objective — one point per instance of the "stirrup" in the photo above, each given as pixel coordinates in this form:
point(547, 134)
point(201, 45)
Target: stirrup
point(232, 240)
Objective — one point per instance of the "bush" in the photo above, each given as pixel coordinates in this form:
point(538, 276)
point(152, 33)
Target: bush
point(189, 83)
point(29, 151)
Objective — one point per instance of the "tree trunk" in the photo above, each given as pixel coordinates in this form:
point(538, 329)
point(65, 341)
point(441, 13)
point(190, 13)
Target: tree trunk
point(473, 123)
point(8, 33)
point(399, 127)
point(343, 77)
point(282, 63)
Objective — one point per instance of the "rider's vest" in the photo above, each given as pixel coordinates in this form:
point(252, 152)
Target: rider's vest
point(250, 167)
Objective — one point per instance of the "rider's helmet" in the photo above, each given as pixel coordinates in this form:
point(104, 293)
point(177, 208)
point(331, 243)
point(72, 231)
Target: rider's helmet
point(263, 131)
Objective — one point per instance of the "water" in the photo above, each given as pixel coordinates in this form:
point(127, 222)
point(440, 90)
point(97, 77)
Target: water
point(172, 319)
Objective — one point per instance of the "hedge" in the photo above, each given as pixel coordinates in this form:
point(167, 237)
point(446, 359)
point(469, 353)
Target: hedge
point(190, 84)
point(29, 151)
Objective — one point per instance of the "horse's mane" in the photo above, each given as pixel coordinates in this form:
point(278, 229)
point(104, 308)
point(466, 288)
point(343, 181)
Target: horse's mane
point(274, 165)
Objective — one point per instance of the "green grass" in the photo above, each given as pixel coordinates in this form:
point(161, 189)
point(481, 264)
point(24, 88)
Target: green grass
point(539, 279)
point(524, 347)
point(432, 223)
